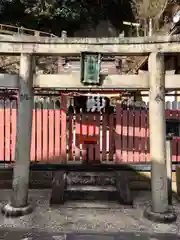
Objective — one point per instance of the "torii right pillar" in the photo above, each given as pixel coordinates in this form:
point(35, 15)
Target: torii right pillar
point(159, 211)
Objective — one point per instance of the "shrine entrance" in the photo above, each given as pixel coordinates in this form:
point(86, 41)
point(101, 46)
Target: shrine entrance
point(91, 129)
point(90, 171)
point(90, 79)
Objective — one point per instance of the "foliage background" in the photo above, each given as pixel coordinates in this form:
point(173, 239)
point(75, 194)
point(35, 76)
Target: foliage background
point(56, 15)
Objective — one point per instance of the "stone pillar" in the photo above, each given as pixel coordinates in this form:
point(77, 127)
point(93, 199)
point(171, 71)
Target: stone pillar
point(150, 30)
point(169, 167)
point(159, 211)
point(61, 59)
point(19, 201)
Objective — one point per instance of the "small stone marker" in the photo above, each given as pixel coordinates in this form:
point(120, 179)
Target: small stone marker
point(123, 188)
point(58, 187)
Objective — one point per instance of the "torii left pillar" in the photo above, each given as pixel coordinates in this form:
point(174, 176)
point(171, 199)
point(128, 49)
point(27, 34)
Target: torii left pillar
point(18, 205)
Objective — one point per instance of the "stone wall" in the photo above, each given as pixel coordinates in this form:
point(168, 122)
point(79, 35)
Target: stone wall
point(42, 179)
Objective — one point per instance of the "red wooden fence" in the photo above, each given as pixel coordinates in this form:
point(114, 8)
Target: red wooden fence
point(121, 137)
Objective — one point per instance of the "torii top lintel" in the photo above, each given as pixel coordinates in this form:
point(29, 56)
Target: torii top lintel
point(74, 46)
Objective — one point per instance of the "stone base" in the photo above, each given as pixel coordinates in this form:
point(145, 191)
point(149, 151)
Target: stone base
point(166, 217)
point(58, 188)
point(10, 211)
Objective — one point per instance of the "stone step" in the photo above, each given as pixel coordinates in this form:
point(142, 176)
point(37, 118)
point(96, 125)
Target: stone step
point(91, 188)
point(90, 178)
point(90, 173)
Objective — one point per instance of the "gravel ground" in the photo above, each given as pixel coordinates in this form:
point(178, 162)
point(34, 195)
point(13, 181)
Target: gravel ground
point(85, 217)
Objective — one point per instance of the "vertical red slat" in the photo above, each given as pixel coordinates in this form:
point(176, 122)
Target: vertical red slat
point(4, 126)
point(130, 135)
point(45, 134)
point(51, 134)
point(80, 136)
point(90, 134)
point(104, 137)
point(11, 126)
point(97, 134)
point(70, 138)
point(13, 132)
point(84, 135)
point(57, 134)
point(2, 137)
point(42, 130)
point(10, 142)
point(137, 136)
point(39, 130)
point(125, 125)
point(63, 128)
point(178, 139)
point(111, 137)
point(48, 140)
point(77, 132)
point(169, 115)
point(147, 138)
point(35, 133)
point(33, 147)
point(143, 137)
point(118, 133)
point(7, 130)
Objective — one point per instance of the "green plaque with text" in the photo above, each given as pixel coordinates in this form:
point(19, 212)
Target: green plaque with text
point(90, 68)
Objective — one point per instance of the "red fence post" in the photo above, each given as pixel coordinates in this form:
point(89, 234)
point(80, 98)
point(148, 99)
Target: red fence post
point(118, 136)
point(83, 133)
point(57, 138)
point(111, 137)
point(97, 134)
point(143, 136)
point(13, 129)
point(130, 137)
point(104, 137)
point(78, 137)
point(63, 154)
point(124, 145)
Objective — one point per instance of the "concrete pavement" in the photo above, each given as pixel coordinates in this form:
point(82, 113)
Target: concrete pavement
point(91, 219)
point(36, 235)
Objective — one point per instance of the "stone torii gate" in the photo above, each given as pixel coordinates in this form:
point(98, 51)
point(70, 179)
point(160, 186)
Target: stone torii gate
point(156, 81)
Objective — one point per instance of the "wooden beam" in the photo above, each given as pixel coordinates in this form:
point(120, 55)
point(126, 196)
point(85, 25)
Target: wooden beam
point(104, 40)
point(74, 46)
point(72, 81)
point(75, 49)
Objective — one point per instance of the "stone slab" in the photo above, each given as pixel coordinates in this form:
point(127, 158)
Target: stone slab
point(33, 235)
